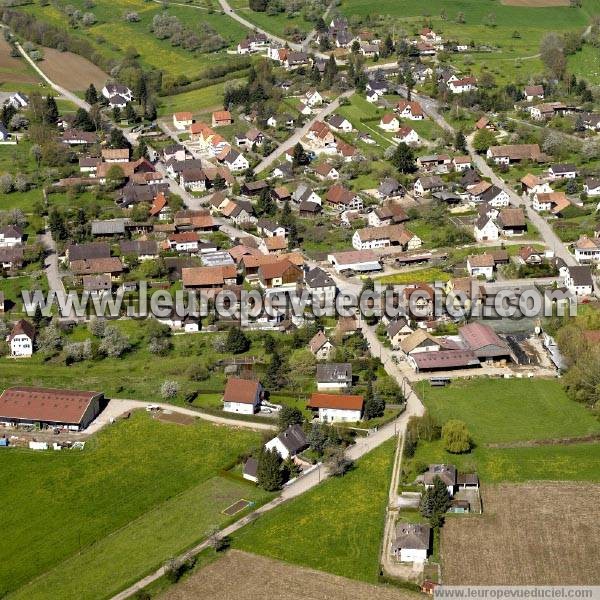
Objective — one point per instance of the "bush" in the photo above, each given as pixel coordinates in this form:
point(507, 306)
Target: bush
point(169, 389)
point(457, 439)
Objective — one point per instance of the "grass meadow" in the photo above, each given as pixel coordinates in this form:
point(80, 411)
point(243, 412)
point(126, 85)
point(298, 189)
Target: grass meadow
point(335, 527)
point(142, 490)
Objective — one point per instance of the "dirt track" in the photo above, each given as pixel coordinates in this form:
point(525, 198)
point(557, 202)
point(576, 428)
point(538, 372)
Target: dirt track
point(536, 3)
point(251, 577)
point(531, 534)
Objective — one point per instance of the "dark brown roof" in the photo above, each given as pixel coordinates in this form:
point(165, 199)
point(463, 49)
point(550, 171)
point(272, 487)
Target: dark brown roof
point(87, 251)
point(43, 404)
point(22, 327)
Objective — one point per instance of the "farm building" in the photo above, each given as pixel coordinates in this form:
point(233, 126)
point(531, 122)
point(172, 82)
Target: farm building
point(45, 407)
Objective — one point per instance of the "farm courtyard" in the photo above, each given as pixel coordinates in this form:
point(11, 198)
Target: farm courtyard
point(532, 534)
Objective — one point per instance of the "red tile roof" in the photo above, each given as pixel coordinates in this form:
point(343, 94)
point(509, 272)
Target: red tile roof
point(338, 401)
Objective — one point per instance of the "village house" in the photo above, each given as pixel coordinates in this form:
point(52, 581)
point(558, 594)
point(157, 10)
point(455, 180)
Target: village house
point(389, 214)
point(339, 123)
point(435, 163)
point(390, 188)
point(507, 154)
point(220, 118)
point(185, 241)
point(341, 198)
point(320, 285)
point(426, 185)
point(10, 236)
point(531, 184)
point(562, 171)
point(274, 244)
point(389, 122)
point(280, 274)
point(233, 160)
point(481, 265)
point(553, 202)
point(111, 267)
point(327, 171)
point(384, 236)
point(462, 85)
point(511, 221)
point(591, 186)
point(304, 193)
point(494, 196)
point(530, 256)
point(110, 90)
point(547, 110)
point(182, 120)
point(332, 408)
point(242, 396)
point(485, 229)
point(320, 135)
point(461, 163)
point(203, 278)
point(313, 98)
point(407, 135)
point(334, 376)
point(411, 542)
point(397, 330)
point(289, 443)
point(320, 346)
point(533, 92)
point(409, 110)
point(21, 338)
point(175, 152)
point(140, 249)
point(578, 280)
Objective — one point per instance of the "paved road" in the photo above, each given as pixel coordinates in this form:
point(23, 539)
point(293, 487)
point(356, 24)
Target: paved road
point(61, 90)
point(300, 133)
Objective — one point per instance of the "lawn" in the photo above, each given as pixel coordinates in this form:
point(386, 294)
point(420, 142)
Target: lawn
point(210, 97)
point(335, 527)
point(507, 410)
point(279, 24)
point(426, 275)
point(63, 511)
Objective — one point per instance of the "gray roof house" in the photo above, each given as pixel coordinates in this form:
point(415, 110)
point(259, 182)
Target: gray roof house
point(332, 376)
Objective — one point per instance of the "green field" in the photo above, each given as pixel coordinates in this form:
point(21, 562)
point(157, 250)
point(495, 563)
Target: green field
point(210, 97)
point(513, 56)
point(577, 462)
point(336, 527)
point(278, 24)
point(142, 490)
point(113, 35)
point(506, 410)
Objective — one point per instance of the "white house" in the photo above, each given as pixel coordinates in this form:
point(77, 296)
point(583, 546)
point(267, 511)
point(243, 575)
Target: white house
point(409, 110)
point(332, 408)
point(562, 171)
point(412, 541)
point(242, 396)
point(339, 123)
point(334, 376)
point(182, 120)
point(407, 135)
point(496, 197)
point(372, 96)
point(320, 285)
point(21, 339)
point(389, 122)
point(578, 281)
point(481, 265)
point(18, 101)
point(313, 98)
point(110, 90)
point(485, 229)
point(233, 159)
point(460, 86)
point(592, 187)
point(10, 236)
point(587, 249)
point(388, 235)
point(320, 346)
point(289, 443)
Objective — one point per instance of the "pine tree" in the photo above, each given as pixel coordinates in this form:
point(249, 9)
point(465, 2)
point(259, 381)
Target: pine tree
point(299, 158)
point(460, 143)
point(51, 111)
point(236, 342)
point(268, 472)
point(91, 95)
point(286, 214)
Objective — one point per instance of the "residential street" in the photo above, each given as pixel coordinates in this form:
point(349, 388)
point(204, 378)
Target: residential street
point(300, 133)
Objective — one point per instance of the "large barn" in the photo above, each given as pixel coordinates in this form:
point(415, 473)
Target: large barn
point(44, 407)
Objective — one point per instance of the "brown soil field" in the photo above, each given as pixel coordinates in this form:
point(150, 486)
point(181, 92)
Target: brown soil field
point(531, 534)
point(236, 508)
point(250, 577)
point(536, 3)
point(13, 69)
point(71, 71)
point(177, 418)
